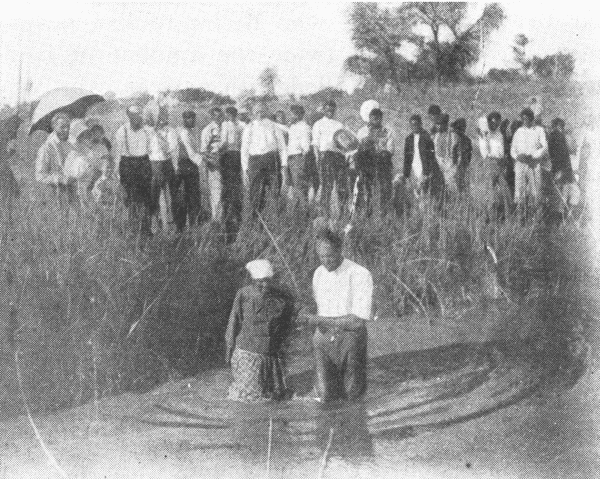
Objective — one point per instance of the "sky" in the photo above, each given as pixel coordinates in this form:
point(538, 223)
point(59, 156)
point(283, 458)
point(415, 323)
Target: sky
point(131, 47)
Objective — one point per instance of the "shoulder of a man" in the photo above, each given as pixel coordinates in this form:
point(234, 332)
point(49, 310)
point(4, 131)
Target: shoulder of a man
point(357, 270)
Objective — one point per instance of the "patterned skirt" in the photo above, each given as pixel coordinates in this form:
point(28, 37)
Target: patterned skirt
point(256, 377)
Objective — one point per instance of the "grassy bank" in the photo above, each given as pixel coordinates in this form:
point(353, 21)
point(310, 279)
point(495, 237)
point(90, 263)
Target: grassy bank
point(93, 311)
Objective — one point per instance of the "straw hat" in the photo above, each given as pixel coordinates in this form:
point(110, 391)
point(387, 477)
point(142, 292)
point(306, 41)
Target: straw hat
point(366, 108)
point(345, 140)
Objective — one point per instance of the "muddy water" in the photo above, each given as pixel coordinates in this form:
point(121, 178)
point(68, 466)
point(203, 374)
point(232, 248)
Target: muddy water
point(418, 384)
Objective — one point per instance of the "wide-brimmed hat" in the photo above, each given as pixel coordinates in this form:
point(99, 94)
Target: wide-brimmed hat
point(366, 108)
point(345, 140)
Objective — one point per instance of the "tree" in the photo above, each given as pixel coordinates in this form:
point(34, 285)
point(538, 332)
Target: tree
point(520, 53)
point(556, 66)
point(378, 33)
point(268, 78)
point(454, 44)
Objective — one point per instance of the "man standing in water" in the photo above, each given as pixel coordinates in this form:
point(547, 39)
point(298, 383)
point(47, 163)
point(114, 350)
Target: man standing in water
point(343, 291)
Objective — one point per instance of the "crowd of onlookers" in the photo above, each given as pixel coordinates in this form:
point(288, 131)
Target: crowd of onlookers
point(161, 168)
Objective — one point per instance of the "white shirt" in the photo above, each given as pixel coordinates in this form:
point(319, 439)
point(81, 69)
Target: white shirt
point(417, 164)
point(51, 159)
point(492, 145)
point(322, 133)
point(347, 290)
point(191, 143)
point(231, 135)
point(261, 137)
point(131, 142)
point(299, 139)
point(529, 141)
point(210, 138)
point(164, 145)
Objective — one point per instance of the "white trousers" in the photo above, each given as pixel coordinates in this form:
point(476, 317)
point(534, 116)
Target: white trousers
point(528, 182)
point(215, 191)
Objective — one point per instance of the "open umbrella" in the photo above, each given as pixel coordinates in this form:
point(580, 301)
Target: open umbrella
point(74, 101)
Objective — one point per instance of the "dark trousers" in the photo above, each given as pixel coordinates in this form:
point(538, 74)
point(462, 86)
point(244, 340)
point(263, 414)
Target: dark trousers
point(186, 206)
point(341, 363)
point(64, 194)
point(303, 172)
point(333, 167)
point(136, 179)
point(372, 168)
point(163, 175)
point(263, 176)
point(231, 178)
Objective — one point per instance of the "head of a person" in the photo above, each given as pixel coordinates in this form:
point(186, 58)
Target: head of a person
point(162, 118)
point(98, 133)
point(416, 124)
point(260, 110)
point(527, 117)
point(86, 138)
point(61, 125)
point(329, 108)
point(442, 122)
point(134, 114)
point(375, 118)
point(244, 117)
point(558, 124)
point(329, 248)
point(494, 119)
point(231, 112)
point(297, 112)
point(216, 114)
point(262, 274)
point(434, 111)
point(189, 119)
point(459, 126)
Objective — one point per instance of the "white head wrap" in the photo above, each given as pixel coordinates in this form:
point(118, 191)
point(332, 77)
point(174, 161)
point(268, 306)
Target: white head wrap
point(260, 269)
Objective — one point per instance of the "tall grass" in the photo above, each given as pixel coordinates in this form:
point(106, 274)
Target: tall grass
point(75, 280)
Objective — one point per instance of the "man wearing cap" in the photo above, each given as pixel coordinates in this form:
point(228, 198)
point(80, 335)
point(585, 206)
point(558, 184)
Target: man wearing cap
point(210, 148)
point(258, 326)
point(343, 291)
point(187, 180)
point(132, 144)
point(332, 163)
point(264, 154)
point(51, 158)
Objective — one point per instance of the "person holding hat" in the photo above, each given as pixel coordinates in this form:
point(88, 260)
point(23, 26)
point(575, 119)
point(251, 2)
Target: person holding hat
point(132, 145)
point(332, 163)
point(50, 161)
point(186, 208)
point(259, 324)
point(374, 160)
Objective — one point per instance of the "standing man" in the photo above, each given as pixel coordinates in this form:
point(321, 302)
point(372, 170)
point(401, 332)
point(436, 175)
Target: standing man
point(187, 180)
point(132, 141)
point(51, 160)
point(231, 165)
point(374, 160)
point(210, 148)
point(420, 163)
point(263, 155)
point(462, 151)
point(434, 112)
point(332, 163)
point(529, 148)
point(298, 150)
point(343, 291)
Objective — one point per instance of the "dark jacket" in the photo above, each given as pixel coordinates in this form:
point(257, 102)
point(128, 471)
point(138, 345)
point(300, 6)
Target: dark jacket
point(558, 150)
point(259, 323)
point(434, 182)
